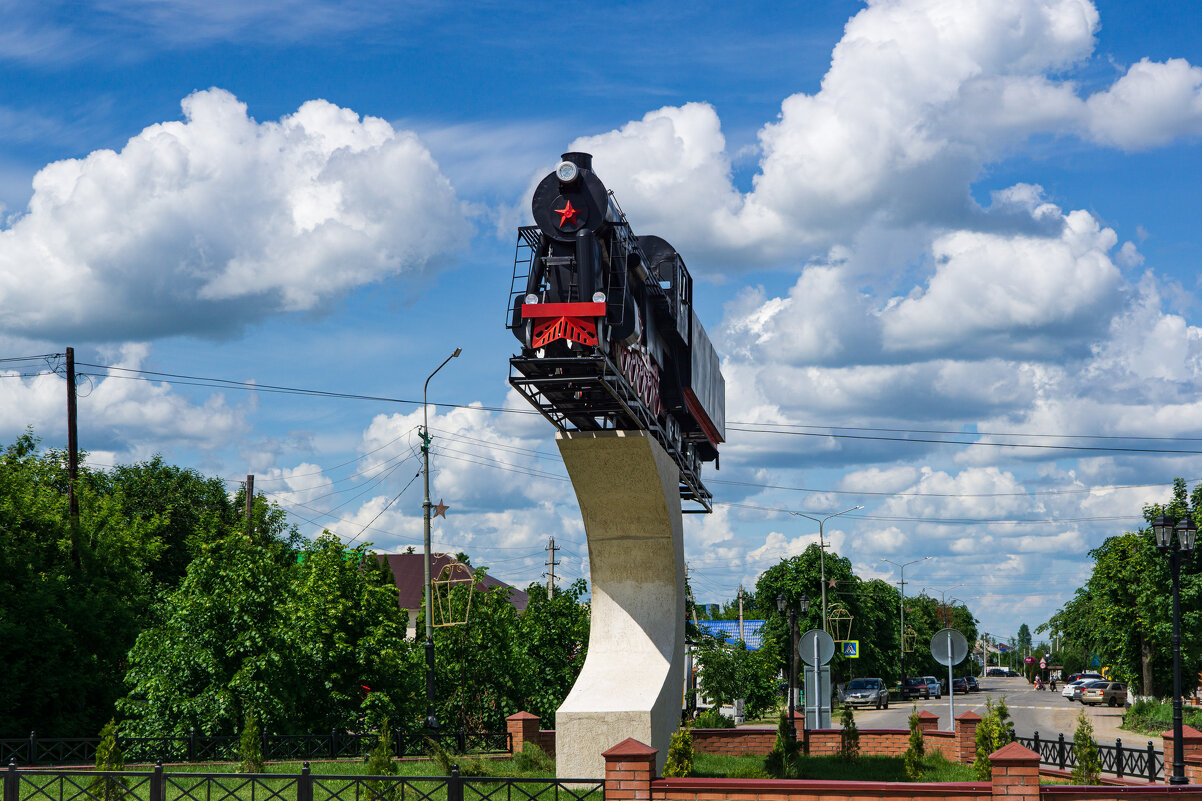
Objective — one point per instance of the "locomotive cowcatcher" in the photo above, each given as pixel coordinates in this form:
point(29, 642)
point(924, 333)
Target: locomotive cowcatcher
point(609, 336)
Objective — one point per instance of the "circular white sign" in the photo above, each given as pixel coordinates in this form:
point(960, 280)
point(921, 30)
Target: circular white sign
point(825, 645)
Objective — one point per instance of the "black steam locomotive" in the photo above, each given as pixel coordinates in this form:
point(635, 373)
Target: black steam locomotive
point(609, 336)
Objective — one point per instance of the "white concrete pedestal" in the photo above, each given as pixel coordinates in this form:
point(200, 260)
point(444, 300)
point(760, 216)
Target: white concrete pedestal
point(631, 684)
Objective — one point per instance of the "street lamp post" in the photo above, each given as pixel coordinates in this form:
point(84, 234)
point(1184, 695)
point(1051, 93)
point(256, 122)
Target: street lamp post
point(1186, 531)
point(902, 593)
point(431, 717)
point(782, 606)
point(822, 550)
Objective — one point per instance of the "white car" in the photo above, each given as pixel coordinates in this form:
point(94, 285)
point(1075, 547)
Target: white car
point(936, 689)
point(1071, 687)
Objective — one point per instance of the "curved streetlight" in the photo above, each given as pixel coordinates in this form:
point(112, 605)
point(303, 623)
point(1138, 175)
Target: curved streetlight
point(431, 716)
point(902, 603)
point(822, 550)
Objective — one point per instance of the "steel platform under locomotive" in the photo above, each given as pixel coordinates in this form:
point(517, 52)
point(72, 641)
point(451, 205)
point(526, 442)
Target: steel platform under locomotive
point(609, 337)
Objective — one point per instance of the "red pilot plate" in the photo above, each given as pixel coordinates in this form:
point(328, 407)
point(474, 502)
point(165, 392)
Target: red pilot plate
point(562, 310)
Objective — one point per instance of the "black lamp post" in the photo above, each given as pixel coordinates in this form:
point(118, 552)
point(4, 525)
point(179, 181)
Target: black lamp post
point(792, 617)
point(1186, 530)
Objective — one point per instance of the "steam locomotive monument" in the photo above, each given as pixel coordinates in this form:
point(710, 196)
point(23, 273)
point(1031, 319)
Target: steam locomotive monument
point(614, 356)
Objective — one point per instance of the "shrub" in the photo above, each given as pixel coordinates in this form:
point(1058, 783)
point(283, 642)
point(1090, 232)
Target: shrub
point(1088, 769)
point(993, 732)
point(713, 718)
point(917, 749)
point(782, 761)
point(250, 746)
point(532, 759)
point(380, 762)
point(680, 754)
point(849, 735)
point(108, 758)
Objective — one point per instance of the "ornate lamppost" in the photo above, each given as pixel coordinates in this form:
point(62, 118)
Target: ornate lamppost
point(782, 607)
point(1186, 531)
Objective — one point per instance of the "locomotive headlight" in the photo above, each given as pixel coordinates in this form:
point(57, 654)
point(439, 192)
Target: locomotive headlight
point(531, 300)
point(566, 172)
point(598, 297)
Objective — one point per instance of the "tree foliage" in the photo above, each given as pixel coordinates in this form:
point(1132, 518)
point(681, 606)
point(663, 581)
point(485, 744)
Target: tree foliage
point(1122, 615)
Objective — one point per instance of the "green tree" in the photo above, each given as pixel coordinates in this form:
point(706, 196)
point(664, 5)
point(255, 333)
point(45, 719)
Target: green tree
point(1118, 617)
point(552, 643)
point(916, 749)
point(993, 731)
point(108, 758)
point(849, 735)
point(1088, 769)
point(679, 761)
point(250, 746)
point(728, 671)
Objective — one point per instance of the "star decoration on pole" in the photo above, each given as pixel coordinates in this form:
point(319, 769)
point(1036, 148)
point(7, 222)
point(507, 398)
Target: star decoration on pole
point(441, 509)
point(567, 214)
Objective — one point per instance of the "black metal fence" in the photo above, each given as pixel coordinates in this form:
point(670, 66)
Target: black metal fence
point(158, 785)
point(34, 750)
point(1118, 759)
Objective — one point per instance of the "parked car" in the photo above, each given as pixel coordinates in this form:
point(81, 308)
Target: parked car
point(915, 687)
point(933, 686)
point(866, 692)
point(1080, 689)
point(998, 673)
point(973, 687)
point(960, 686)
point(1087, 676)
point(1072, 686)
point(1111, 693)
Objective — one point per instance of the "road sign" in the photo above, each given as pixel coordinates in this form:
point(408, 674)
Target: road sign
point(1043, 663)
point(816, 643)
point(851, 649)
point(949, 647)
point(1030, 660)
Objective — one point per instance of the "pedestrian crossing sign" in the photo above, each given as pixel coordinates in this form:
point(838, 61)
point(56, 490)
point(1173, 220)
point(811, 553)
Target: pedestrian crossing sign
point(851, 648)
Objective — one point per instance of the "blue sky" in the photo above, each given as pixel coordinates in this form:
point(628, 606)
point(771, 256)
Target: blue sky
point(912, 215)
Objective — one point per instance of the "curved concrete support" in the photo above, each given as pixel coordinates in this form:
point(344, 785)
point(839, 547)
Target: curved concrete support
point(631, 682)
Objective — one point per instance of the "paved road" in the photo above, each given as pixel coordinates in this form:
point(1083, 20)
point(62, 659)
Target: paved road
point(1031, 710)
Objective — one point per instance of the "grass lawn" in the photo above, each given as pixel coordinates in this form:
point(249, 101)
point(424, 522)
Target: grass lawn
point(935, 768)
point(1150, 718)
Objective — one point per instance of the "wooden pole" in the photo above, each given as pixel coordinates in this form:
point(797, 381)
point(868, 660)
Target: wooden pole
point(250, 504)
point(72, 458)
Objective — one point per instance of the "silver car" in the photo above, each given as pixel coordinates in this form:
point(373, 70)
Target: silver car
point(866, 692)
point(934, 685)
point(1111, 693)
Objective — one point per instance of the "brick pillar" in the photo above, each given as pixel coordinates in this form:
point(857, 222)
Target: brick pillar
point(522, 728)
point(1015, 773)
point(629, 768)
point(1191, 746)
point(966, 736)
point(927, 721)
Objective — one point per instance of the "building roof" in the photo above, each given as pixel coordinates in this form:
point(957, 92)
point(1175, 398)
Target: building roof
point(751, 631)
point(409, 576)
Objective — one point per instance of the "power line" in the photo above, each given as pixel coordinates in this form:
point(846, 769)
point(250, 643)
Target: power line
point(967, 444)
point(965, 433)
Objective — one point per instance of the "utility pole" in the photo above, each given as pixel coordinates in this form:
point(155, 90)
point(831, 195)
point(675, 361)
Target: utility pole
point(551, 563)
point(72, 458)
point(250, 505)
point(902, 604)
point(431, 716)
point(822, 550)
point(741, 637)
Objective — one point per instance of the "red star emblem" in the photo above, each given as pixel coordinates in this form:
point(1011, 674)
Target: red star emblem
point(441, 509)
point(567, 214)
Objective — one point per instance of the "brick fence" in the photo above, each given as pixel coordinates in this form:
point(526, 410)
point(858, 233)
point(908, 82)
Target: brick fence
point(630, 776)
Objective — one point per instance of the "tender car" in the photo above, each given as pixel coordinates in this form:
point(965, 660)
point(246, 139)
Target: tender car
point(1080, 689)
point(866, 692)
point(934, 687)
point(915, 687)
point(1111, 693)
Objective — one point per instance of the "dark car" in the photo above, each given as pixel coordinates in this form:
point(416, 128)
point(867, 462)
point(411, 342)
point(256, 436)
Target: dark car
point(960, 686)
point(973, 687)
point(915, 687)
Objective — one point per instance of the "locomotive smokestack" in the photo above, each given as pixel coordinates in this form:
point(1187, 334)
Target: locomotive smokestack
point(582, 160)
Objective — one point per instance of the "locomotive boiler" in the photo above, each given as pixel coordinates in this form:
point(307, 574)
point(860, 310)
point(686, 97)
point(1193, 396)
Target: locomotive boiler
point(609, 338)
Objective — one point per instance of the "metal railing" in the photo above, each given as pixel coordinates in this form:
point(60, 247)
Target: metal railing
point(35, 750)
point(1120, 760)
point(158, 785)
